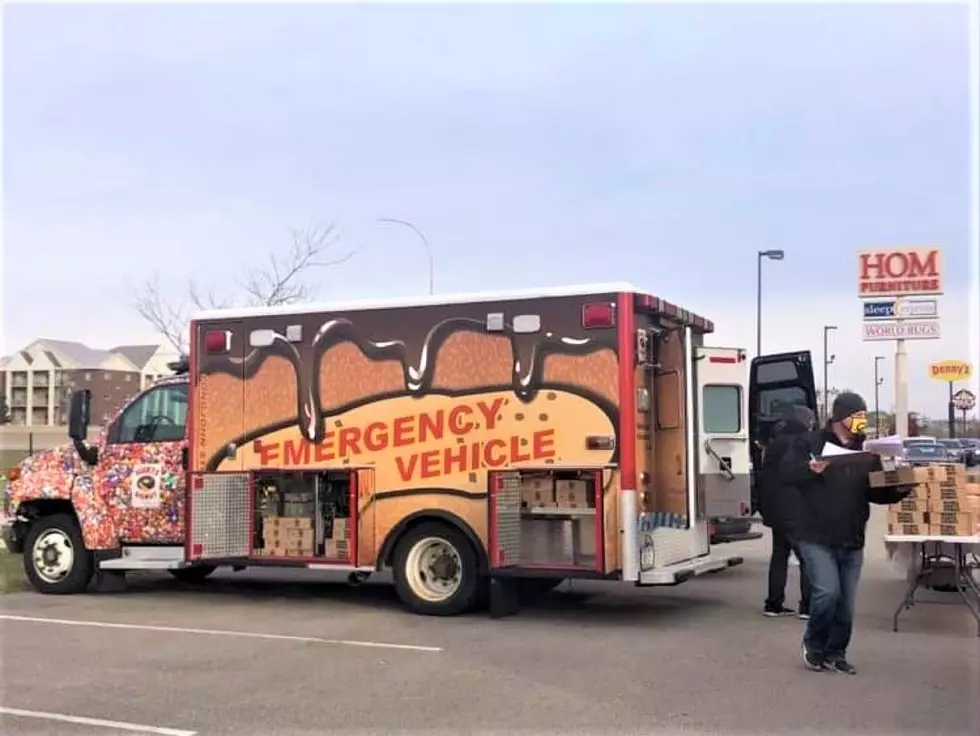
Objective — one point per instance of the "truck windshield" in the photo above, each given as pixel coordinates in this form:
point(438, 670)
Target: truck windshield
point(721, 407)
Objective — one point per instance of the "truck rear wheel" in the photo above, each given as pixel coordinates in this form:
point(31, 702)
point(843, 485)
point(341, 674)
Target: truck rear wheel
point(436, 570)
point(55, 559)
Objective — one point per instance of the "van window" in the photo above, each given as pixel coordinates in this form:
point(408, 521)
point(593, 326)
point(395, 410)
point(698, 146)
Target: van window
point(159, 415)
point(721, 409)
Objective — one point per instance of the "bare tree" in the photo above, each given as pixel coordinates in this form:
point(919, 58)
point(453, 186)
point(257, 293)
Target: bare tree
point(279, 281)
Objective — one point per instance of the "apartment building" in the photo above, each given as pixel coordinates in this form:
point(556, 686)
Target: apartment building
point(37, 382)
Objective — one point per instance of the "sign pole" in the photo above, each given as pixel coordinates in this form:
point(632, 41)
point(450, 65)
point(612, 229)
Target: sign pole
point(951, 414)
point(901, 390)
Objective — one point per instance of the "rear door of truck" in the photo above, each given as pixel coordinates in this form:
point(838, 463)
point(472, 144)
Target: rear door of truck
point(724, 442)
point(776, 383)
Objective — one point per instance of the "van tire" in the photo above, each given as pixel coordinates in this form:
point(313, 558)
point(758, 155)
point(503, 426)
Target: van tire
point(450, 589)
point(55, 559)
point(193, 574)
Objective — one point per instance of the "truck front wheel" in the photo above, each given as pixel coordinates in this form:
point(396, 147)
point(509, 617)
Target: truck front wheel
point(55, 559)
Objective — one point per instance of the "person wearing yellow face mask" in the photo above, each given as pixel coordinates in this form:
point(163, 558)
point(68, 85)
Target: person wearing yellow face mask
point(829, 516)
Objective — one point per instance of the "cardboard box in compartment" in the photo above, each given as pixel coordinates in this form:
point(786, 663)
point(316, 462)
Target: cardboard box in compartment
point(538, 490)
point(337, 529)
point(898, 518)
point(954, 525)
point(287, 522)
point(972, 488)
point(288, 551)
point(572, 494)
point(909, 530)
point(289, 538)
point(335, 549)
point(912, 503)
point(899, 477)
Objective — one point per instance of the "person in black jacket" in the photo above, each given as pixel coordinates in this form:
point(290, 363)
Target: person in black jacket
point(774, 498)
point(829, 520)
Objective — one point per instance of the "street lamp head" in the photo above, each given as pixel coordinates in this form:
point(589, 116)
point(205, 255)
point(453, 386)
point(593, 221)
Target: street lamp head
point(828, 328)
point(775, 255)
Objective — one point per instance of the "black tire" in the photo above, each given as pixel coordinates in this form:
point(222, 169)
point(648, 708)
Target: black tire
point(82, 566)
point(466, 592)
point(195, 574)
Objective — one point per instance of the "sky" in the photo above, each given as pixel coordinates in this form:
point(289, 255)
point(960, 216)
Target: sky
point(534, 145)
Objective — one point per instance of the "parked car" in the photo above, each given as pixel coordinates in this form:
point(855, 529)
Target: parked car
point(954, 449)
point(926, 454)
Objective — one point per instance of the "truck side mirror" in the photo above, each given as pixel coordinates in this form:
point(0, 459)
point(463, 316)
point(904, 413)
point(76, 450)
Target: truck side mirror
point(78, 416)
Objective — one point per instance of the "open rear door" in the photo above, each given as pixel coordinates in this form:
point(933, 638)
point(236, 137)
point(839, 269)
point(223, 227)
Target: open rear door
point(776, 382)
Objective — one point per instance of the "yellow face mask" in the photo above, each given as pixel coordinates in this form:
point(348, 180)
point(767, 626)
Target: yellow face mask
point(857, 423)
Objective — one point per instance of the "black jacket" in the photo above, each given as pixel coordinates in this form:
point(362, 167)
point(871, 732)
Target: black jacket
point(830, 508)
point(777, 498)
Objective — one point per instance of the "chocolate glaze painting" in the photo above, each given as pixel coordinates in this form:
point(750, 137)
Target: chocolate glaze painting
point(355, 386)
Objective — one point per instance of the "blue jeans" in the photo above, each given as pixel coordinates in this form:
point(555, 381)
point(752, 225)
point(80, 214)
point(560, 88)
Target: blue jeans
point(833, 573)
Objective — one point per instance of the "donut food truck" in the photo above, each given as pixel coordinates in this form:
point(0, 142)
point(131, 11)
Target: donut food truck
point(476, 445)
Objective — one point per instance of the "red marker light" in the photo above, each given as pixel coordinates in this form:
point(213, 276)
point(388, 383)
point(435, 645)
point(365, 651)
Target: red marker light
point(598, 315)
point(720, 359)
point(217, 342)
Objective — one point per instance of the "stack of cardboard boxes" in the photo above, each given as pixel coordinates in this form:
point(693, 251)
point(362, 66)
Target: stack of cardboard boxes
point(542, 490)
point(286, 536)
point(945, 501)
point(291, 536)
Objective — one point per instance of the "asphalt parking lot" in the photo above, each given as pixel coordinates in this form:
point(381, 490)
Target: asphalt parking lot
point(275, 653)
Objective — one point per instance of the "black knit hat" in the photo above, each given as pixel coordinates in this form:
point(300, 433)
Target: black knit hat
point(845, 405)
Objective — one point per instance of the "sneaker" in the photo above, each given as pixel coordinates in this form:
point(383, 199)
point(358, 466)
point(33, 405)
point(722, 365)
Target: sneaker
point(842, 666)
point(776, 611)
point(803, 613)
point(813, 662)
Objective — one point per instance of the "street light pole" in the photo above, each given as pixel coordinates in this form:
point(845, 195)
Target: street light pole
point(827, 360)
point(878, 382)
point(773, 255)
point(425, 244)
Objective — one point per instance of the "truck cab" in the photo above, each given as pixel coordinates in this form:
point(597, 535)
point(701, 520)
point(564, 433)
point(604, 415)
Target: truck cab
point(78, 504)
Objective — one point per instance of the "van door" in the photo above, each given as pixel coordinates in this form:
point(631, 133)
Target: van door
point(776, 382)
point(724, 448)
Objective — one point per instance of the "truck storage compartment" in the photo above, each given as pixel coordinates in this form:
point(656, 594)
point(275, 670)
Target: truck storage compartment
point(303, 515)
point(547, 519)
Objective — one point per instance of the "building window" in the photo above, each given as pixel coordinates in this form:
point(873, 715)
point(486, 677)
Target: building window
point(88, 376)
point(107, 376)
point(721, 409)
point(129, 377)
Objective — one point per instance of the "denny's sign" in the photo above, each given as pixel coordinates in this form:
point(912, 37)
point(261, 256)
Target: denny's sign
point(899, 272)
point(950, 371)
point(440, 441)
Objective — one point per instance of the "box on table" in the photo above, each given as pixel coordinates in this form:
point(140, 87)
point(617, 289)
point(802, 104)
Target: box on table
point(908, 530)
point(952, 472)
point(945, 490)
point(959, 504)
point(538, 490)
point(911, 503)
point(572, 494)
point(954, 525)
point(899, 477)
point(920, 518)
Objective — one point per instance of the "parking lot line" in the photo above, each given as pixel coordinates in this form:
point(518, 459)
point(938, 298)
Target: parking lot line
point(98, 722)
point(220, 632)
